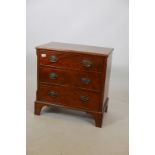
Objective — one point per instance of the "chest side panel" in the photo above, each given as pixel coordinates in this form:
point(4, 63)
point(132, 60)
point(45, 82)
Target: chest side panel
point(107, 77)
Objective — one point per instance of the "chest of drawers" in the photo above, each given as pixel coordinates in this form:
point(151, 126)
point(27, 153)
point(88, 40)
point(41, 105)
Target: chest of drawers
point(73, 76)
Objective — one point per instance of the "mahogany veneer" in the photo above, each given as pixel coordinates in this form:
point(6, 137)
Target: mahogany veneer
point(73, 76)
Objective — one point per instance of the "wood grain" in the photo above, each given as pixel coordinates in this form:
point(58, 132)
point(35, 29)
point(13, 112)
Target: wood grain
point(68, 60)
point(75, 77)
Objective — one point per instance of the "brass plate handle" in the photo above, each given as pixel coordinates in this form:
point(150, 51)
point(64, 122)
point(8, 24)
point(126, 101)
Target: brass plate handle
point(85, 80)
point(53, 94)
point(84, 99)
point(53, 76)
point(86, 63)
point(53, 59)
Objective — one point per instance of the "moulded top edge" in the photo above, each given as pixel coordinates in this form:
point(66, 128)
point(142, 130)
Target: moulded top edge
point(76, 48)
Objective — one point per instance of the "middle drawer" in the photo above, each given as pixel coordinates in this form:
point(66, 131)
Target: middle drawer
point(80, 79)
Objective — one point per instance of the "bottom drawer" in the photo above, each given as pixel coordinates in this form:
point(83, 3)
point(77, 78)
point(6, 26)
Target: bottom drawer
point(69, 97)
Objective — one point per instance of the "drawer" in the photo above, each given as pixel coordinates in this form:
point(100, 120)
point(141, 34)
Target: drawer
point(81, 79)
point(53, 76)
point(53, 94)
point(85, 99)
point(71, 60)
point(68, 97)
point(87, 80)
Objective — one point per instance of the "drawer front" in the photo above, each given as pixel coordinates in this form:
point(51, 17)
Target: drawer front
point(53, 76)
point(85, 99)
point(87, 80)
point(71, 60)
point(80, 79)
point(53, 94)
point(68, 97)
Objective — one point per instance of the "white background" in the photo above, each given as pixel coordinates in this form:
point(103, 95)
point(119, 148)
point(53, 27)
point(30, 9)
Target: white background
point(13, 51)
point(90, 22)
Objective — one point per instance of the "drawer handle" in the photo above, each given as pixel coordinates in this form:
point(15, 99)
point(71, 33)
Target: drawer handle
point(53, 76)
point(53, 59)
point(84, 98)
point(86, 63)
point(85, 80)
point(52, 94)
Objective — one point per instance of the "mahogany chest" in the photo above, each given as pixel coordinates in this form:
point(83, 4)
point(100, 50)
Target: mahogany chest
point(73, 76)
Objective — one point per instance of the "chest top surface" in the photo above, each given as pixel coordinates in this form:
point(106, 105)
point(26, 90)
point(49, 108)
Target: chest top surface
point(76, 48)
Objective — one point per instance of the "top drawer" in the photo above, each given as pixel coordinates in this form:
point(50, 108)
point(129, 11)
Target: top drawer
point(71, 60)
